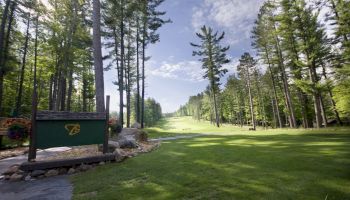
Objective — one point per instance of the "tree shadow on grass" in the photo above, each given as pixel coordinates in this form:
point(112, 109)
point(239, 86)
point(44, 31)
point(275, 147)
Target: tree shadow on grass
point(311, 166)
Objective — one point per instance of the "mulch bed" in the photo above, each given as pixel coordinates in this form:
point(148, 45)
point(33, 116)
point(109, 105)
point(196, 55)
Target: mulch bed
point(7, 153)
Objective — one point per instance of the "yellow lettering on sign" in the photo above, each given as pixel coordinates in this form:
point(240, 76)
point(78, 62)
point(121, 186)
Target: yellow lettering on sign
point(72, 129)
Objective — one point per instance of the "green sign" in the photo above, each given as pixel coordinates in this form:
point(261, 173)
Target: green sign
point(69, 132)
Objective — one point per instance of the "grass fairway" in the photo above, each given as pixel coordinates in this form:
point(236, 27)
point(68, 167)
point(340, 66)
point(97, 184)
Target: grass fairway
point(278, 164)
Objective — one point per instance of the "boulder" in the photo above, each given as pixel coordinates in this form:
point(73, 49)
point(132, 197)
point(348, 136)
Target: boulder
point(51, 172)
point(28, 178)
point(84, 167)
point(136, 125)
point(37, 173)
point(62, 171)
point(71, 171)
point(101, 163)
point(128, 143)
point(120, 155)
point(13, 169)
point(112, 145)
point(132, 134)
point(16, 177)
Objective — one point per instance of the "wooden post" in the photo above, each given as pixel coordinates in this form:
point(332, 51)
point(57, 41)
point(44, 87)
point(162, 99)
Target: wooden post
point(32, 145)
point(105, 143)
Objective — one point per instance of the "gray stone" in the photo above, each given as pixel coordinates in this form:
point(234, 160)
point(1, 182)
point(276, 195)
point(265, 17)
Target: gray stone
point(132, 134)
point(13, 169)
point(51, 172)
point(112, 145)
point(28, 178)
point(136, 125)
point(37, 173)
point(62, 171)
point(119, 155)
point(83, 167)
point(16, 177)
point(101, 163)
point(71, 171)
point(128, 143)
point(2, 177)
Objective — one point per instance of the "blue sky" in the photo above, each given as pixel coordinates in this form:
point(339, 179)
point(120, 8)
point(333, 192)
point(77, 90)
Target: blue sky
point(172, 73)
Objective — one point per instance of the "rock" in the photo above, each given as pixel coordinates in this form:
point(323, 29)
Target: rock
point(128, 143)
point(13, 169)
point(28, 178)
point(2, 177)
point(132, 134)
point(119, 155)
point(101, 163)
point(51, 172)
point(62, 171)
point(7, 177)
point(37, 173)
point(71, 171)
point(16, 177)
point(83, 167)
point(41, 176)
point(136, 125)
point(112, 145)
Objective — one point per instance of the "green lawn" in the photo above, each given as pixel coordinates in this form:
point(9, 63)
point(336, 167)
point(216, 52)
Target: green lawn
point(233, 164)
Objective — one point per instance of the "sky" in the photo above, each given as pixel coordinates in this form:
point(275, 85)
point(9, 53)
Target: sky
point(172, 73)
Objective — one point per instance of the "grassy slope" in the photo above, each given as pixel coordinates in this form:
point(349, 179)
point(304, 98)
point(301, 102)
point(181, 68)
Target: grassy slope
point(294, 164)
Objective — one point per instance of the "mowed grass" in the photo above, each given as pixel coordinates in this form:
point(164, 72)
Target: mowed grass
point(277, 164)
point(174, 126)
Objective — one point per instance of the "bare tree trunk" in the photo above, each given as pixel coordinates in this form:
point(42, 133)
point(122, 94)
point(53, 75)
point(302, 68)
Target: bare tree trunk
point(99, 81)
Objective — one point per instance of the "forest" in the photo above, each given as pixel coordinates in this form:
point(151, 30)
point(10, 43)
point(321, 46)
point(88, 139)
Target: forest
point(58, 43)
point(299, 77)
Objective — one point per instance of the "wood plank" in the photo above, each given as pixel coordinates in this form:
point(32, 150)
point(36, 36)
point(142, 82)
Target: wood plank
point(41, 165)
point(52, 115)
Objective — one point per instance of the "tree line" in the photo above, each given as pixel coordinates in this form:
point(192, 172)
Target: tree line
point(299, 77)
point(55, 39)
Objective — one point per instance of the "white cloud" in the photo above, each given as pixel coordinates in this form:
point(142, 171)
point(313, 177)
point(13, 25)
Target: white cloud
point(235, 17)
point(189, 70)
point(184, 70)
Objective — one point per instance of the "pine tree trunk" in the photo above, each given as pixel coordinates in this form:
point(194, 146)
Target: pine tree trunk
point(316, 98)
point(24, 59)
point(137, 75)
point(2, 50)
point(274, 90)
point(329, 90)
point(70, 89)
point(217, 121)
point(143, 82)
point(251, 104)
point(121, 77)
point(85, 85)
point(288, 100)
point(99, 81)
point(51, 92)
